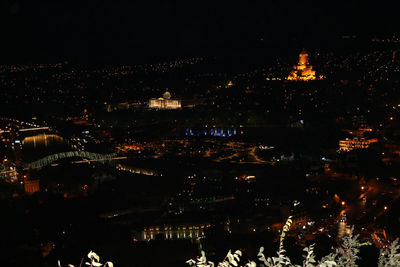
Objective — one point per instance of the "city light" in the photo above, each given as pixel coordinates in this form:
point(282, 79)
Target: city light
point(136, 144)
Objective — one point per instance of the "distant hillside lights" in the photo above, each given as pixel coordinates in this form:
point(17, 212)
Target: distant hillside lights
point(165, 102)
point(303, 70)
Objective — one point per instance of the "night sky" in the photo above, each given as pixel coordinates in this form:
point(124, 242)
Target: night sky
point(39, 31)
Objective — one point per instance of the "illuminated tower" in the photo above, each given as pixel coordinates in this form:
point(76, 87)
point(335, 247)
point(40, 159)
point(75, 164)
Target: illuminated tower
point(303, 70)
point(303, 58)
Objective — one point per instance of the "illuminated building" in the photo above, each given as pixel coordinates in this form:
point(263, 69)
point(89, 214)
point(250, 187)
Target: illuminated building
point(31, 186)
point(193, 231)
point(42, 140)
point(137, 170)
point(165, 102)
point(356, 143)
point(303, 70)
point(221, 132)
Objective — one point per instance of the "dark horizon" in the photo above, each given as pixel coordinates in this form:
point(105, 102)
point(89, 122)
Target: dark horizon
point(133, 32)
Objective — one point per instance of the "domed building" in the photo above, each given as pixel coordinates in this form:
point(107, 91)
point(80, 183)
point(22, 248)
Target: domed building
point(165, 102)
point(167, 95)
point(303, 70)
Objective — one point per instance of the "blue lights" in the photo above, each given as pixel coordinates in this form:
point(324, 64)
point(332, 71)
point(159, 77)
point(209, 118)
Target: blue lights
point(219, 132)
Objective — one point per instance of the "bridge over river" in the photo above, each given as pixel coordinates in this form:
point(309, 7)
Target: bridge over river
point(89, 156)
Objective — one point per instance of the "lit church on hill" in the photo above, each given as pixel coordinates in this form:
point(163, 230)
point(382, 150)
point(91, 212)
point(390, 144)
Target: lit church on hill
point(165, 102)
point(303, 70)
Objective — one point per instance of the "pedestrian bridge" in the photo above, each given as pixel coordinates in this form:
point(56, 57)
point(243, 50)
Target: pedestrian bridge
point(71, 154)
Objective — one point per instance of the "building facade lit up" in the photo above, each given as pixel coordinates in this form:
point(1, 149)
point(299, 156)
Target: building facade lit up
point(303, 70)
point(31, 186)
point(165, 102)
point(174, 231)
point(356, 143)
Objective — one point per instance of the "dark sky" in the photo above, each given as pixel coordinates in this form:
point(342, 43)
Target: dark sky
point(34, 30)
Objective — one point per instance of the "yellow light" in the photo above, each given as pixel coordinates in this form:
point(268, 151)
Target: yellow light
point(303, 71)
